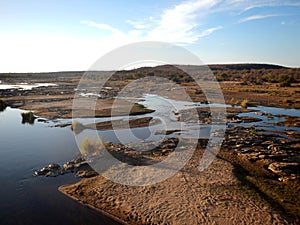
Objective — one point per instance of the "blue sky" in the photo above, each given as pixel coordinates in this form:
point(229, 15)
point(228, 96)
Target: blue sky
point(38, 36)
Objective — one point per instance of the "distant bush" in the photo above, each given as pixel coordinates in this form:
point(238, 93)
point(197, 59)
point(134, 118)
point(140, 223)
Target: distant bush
point(222, 77)
point(28, 117)
point(285, 84)
point(285, 80)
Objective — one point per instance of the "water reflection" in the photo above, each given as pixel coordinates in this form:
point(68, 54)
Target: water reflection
point(2, 105)
point(28, 117)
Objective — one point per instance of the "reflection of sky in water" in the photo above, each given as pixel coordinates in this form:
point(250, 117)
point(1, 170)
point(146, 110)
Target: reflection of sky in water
point(164, 112)
point(24, 149)
point(270, 119)
point(24, 86)
point(277, 111)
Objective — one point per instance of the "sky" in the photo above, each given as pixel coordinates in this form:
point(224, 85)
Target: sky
point(44, 35)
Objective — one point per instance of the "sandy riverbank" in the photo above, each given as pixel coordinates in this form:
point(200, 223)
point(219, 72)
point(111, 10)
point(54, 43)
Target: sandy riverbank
point(214, 196)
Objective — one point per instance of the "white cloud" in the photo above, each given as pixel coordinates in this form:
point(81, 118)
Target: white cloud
point(246, 5)
point(101, 26)
point(258, 17)
point(138, 24)
point(210, 31)
point(177, 24)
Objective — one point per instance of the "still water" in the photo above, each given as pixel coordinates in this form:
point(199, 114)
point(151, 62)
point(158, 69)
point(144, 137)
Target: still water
point(35, 200)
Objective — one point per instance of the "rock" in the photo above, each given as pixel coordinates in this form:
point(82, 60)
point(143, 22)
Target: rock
point(41, 120)
point(267, 143)
point(78, 164)
point(259, 113)
point(75, 164)
point(54, 166)
point(291, 177)
point(249, 119)
point(274, 147)
point(263, 156)
point(68, 167)
point(86, 173)
point(78, 160)
point(52, 170)
point(285, 170)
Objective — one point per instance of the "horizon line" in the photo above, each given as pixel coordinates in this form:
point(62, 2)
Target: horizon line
point(209, 64)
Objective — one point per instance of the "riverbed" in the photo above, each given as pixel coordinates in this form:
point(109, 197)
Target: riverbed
point(27, 147)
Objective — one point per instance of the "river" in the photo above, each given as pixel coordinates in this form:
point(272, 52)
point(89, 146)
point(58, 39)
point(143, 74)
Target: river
point(26, 199)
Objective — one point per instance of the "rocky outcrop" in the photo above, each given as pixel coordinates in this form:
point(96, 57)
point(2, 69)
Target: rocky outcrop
point(286, 170)
point(52, 170)
point(278, 155)
point(79, 166)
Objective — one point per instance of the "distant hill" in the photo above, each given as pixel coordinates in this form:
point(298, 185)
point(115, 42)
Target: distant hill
point(247, 73)
point(245, 66)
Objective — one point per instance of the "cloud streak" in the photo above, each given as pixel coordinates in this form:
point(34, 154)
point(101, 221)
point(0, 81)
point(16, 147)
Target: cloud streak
point(101, 26)
point(177, 24)
point(258, 17)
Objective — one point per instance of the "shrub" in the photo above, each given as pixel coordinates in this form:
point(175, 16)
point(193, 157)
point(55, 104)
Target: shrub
point(91, 147)
point(244, 103)
point(77, 127)
point(233, 102)
point(222, 77)
point(286, 101)
point(285, 83)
